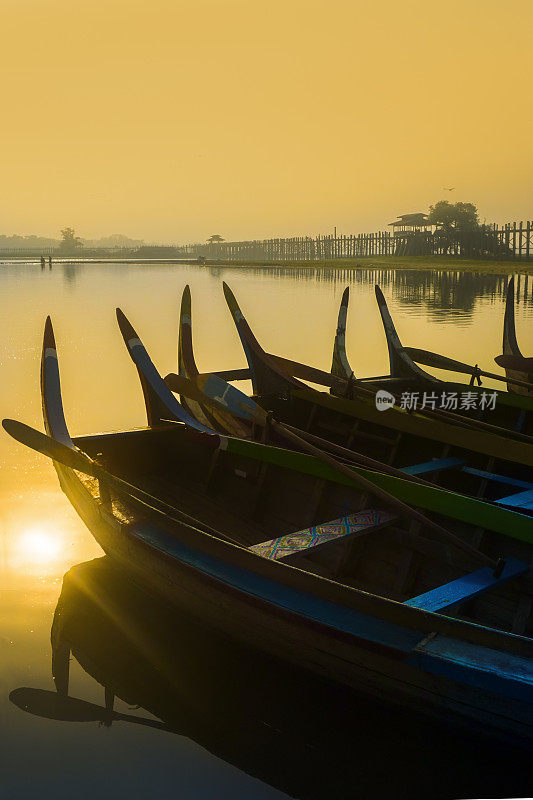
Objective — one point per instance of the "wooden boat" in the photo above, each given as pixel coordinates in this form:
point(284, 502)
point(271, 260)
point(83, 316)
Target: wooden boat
point(510, 411)
point(229, 411)
point(401, 364)
point(278, 549)
point(394, 436)
point(247, 709)
point(510, 347)
point(404, 364)
point(467, 461)
point(272, 374)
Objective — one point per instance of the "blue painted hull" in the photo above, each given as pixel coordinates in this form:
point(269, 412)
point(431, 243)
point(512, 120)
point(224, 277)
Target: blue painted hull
point(373, 653)
point(449, 668)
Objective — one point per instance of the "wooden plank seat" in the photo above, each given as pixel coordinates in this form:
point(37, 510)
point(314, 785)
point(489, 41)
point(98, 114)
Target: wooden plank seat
point(518, 500)
point(435, 465)
point(438, 464)
point(467, 587)
point(361, 522)
point(493, 476)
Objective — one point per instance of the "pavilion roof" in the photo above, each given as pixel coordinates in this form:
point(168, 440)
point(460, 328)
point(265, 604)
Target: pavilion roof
point(418, 218)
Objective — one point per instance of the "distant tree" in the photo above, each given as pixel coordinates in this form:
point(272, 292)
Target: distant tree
point(27, 242)
point(116, 240)
point(69, 241)
point(215, 239)
point(457, 226)
point(460, 216)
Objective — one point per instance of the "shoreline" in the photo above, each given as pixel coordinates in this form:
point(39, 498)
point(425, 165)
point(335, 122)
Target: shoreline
point(415, 263)
point(437, 263)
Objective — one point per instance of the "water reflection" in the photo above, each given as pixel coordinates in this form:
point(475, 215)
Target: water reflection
point(437, 291)
point(251, 712)
point(38, 545)
point(71, 273)
point(292, 310)
point(300, 735)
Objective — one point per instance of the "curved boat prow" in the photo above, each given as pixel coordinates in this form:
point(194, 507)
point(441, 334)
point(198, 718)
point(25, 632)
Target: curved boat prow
point(187, 369)
point(340, 366)
point(186, 362)
point(53, 415)
point(267, 377)
point(161, 405)
point(510, 344)
point(401, 364)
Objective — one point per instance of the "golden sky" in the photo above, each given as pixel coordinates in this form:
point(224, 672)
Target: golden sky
point(171, 120)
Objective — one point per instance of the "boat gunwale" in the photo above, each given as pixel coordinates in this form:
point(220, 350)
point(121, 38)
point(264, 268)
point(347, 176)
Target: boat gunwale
point(443, 431)
point(434, 620)
point(117, 537)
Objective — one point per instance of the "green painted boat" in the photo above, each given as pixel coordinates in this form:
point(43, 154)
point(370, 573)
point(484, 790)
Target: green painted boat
point(280, 553)
point(306, 405)
point(403, 364)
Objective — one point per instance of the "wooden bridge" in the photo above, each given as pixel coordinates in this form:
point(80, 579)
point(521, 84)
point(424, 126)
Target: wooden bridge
point(512, 241)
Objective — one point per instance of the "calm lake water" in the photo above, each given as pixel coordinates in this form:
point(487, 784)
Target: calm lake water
point(215, 721)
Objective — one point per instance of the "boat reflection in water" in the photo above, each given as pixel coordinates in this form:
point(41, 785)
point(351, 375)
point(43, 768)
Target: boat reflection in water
point(298, 733)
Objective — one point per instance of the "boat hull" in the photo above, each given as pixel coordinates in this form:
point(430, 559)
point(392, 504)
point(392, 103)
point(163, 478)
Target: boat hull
point(449, 668)
point(380, 669)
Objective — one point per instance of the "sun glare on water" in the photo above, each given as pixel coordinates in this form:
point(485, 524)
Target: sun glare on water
point(39, 546)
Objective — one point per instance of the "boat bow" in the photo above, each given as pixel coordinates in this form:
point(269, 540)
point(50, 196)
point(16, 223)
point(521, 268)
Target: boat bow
point(340, 366)
point(186, 362)
point(401, 364)
point(54, 417)
point(268, 378)
point(510, 345)
point(161, 405)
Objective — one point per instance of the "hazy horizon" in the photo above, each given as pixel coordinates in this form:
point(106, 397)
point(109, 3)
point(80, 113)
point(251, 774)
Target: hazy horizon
point(171, 121)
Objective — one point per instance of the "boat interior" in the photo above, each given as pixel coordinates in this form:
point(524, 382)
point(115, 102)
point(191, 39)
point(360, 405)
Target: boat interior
point(275, 511)
point(405, 376)
point(478, 475)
